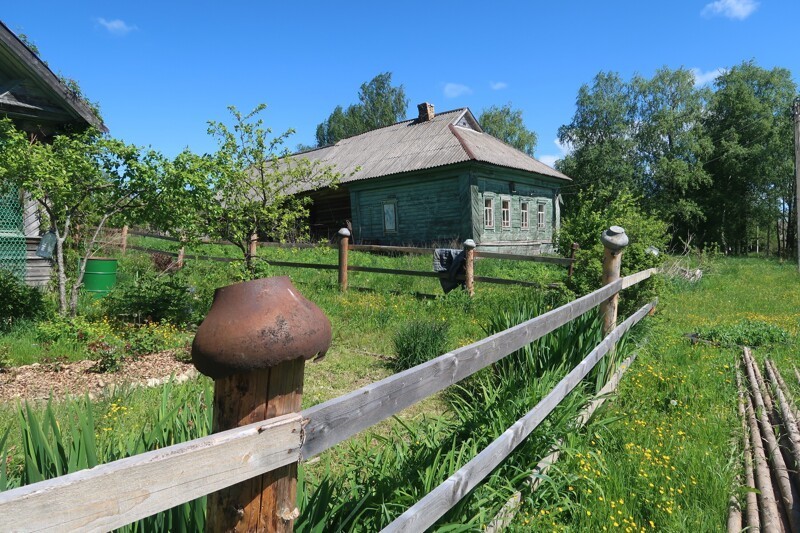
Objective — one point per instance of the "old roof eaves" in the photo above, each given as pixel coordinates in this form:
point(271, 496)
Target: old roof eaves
point(39, 70)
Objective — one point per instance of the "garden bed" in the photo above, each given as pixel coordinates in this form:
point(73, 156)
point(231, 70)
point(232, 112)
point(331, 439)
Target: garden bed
point(39, 381)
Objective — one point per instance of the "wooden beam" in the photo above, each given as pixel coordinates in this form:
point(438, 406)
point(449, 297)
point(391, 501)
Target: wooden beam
point(333, 421)
point(436, 503)
point(112, 495)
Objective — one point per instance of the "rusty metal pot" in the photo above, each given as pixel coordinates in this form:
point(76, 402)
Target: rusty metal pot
point(259, 324)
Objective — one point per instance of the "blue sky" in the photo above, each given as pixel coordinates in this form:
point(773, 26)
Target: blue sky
point(161, 69)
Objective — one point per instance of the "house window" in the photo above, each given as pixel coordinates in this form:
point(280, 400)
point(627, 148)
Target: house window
point(390, 217)
point(505, 211)
point(523, 215)
point(540, 216)
point(488, 213)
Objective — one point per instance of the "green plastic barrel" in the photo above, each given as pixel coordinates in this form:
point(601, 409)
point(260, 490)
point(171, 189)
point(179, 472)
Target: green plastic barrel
point(100, 276)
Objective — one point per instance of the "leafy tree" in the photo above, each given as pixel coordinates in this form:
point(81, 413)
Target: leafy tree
point(672, 146)
point(750, 121)
point(255, 182)
point(380, 105)
point(506, 124)
point(601, 136)
point(79, 179)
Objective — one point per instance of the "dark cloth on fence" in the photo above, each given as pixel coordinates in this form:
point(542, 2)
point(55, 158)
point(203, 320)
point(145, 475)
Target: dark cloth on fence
point(453, 262)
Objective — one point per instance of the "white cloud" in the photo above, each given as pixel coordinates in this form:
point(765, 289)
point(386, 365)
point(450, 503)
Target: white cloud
point(116, 26)
point(732, 9)
point(454, 90)
point(701, 78)
point(550, 159)
point(498, 85)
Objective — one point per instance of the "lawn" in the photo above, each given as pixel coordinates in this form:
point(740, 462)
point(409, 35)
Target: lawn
point(662, 455)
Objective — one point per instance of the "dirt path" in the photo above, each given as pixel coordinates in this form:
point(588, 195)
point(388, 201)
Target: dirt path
point(38, 381)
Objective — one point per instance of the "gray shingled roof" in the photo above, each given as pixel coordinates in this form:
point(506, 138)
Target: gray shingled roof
point(450, 137)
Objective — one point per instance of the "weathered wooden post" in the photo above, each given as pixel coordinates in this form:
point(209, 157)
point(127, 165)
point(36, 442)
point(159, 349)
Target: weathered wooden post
point(469, 260)
point(253, 245)
point(571, 269)
point(344, 242)
point(614, 240)
point(124, 243)
point(254, 344)
point(181, 254)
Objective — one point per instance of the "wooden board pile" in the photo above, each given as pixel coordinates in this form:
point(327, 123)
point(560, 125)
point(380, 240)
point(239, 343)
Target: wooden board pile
point(771, 444)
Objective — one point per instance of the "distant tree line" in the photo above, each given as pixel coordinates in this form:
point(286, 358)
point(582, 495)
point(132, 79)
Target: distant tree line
point(715, 163)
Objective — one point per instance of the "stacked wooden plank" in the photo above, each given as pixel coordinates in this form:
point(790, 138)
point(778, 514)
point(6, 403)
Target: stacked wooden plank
point(771, 445)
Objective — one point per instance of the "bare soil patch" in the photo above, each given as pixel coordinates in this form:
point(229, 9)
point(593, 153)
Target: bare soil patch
point(40, 381)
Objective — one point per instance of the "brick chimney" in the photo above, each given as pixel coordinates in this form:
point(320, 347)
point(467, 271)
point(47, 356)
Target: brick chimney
point(425, 112)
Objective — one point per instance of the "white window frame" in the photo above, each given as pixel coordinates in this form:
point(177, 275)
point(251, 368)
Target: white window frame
point(541, 215)
point(488, 212)
point(505, 213)
point(523, 215)
point(392, 204)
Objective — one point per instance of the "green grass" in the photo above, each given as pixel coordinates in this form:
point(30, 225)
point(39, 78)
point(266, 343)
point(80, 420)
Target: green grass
point(665, 453)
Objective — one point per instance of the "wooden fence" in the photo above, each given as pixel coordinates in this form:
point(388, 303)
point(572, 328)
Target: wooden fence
point(114, 494)
point(344, 267)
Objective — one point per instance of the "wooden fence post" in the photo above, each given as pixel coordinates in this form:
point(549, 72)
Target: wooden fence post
point(253, 244)
point(181, 254)
point(469, 259)
point(575, 247)
point(254, 344)
point(344, 241)
point(614, 240)
point(124, 243)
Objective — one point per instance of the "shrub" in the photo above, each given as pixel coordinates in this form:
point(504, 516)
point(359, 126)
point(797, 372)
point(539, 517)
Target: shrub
point(18, 302)
point(596, 214)
point(151, 338)
point(419, 341)
point(149, 297)
point(745, 333)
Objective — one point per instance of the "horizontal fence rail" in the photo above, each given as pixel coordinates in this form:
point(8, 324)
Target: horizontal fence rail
point(436, 503)
point(115, 494)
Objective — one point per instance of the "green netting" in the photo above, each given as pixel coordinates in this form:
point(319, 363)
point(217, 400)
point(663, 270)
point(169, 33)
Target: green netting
point(12, 239)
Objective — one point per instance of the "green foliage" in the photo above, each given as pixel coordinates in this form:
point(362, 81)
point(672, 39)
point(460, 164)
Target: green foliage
point(380, 105)
point(506, 124)
point(149, 297)
point(750, 119)
point(18, 301)
point(82, 179)
point(746, 332)
point(587, 224)
point(419, 341)
point(254, 182)
point(85, 438)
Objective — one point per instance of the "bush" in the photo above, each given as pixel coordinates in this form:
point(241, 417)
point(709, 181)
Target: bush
point(596, 214)
point(419, 341)
point(745, 333)
point(18, 301)
point(149, 297)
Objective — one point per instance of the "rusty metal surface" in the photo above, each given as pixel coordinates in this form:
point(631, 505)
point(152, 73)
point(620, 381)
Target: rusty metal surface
point(259, 324)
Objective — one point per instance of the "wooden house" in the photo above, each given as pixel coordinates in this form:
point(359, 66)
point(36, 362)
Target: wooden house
point(41, 104)
point(438, 180)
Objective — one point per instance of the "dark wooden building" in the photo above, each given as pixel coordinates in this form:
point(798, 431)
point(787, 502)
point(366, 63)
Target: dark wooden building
point(438, 179)
point(41, 104)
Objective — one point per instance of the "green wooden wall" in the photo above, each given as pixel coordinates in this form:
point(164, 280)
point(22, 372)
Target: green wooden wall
point(446, 206)
point(430, 207)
